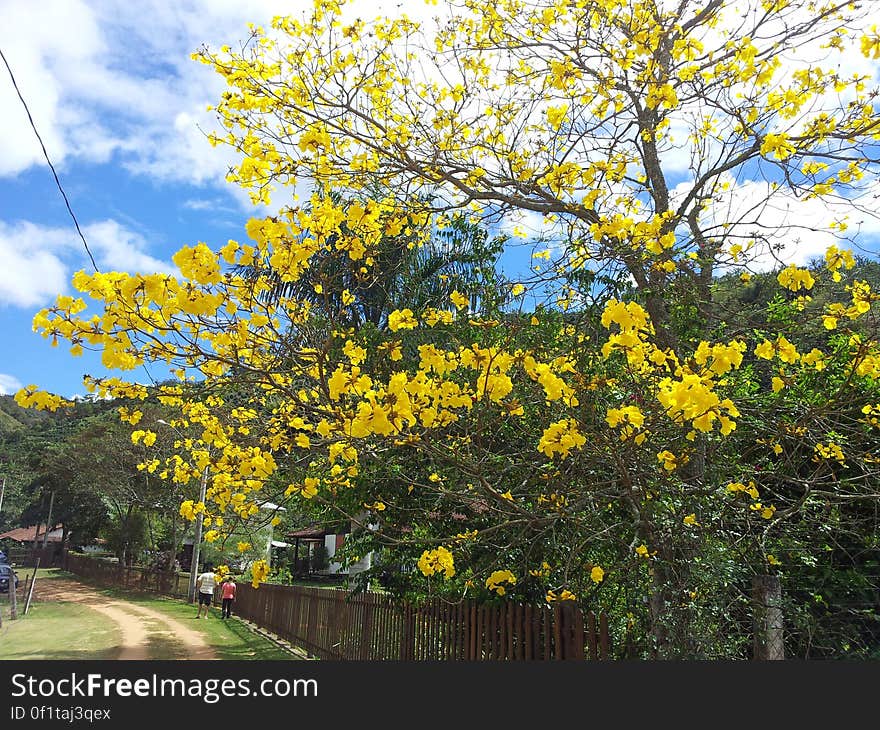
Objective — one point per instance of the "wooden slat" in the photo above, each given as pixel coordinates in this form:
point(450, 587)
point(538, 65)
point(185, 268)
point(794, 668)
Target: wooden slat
point(518, 631)
point(592, 642)
point(406, 645)
point(459, 632)
point(380, 644)
point(578, 633)
point(479, 651)
point(528, 634)
point(557, 631)
point(488, 632)
point(473, 632)
point(443, 626)
point(431, 644)
point(508, 610)
point(604, 639)
point(547, 616)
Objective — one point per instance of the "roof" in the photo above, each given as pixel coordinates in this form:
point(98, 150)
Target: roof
point(315, 532)
point(312, 533)
point(272, 506)
point(29, 534)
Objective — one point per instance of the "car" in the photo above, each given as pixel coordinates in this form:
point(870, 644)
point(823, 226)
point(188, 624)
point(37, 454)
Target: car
point(6, 574)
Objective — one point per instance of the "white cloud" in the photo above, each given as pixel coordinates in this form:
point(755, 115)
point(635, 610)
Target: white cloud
point(527, 224)
point(117, 248)
point(33, 271)
point(38, 261)
point(109, 79)
point(209, 204)
point(9, 384)
point(797, 229)
point(110, 76)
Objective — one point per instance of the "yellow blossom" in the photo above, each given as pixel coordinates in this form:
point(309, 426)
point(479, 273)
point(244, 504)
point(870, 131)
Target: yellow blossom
point(494, 582)
point(402, 319)
point(459, 299)
point(259, 572)
point(437, 561)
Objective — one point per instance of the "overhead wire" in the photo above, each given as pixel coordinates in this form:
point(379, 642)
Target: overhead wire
point(48, 161)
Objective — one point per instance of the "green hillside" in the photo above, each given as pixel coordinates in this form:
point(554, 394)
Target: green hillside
point(15, 418)
point(8, 423)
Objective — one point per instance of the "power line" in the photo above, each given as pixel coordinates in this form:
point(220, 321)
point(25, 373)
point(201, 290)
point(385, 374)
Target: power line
point(46, 155)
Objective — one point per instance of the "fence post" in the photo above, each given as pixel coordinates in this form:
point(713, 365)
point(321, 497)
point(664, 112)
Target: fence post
point(13, 597)
point(27, 603)
point(767, 607)
point(604, 638)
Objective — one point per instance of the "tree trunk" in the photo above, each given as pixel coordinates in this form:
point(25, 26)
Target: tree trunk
point(768, 618)
point(172, 551)
point(657, 604)
point(48, 520)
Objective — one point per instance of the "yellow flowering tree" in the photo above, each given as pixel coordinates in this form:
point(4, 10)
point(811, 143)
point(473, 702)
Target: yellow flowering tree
point(606, 438)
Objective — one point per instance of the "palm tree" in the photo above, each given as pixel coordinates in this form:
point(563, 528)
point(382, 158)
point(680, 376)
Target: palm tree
point(404, 274)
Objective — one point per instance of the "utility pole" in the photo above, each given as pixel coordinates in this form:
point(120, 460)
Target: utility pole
point(13, 595)
point(2, 491)
point(48, 520)
point(197, 544)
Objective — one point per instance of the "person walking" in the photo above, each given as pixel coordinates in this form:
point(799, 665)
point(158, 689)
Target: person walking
point(205, 588)
point(227, 592)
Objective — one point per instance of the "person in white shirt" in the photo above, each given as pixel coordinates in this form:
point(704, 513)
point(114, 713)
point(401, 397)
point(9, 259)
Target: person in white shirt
point(205, 588)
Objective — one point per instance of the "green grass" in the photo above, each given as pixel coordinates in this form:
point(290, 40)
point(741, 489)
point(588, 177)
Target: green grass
point(230, 639)
point(42, 574)
point(86, 634)
point(58, 631)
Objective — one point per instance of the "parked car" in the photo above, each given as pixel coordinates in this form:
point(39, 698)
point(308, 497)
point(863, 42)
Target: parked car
point(6, 574)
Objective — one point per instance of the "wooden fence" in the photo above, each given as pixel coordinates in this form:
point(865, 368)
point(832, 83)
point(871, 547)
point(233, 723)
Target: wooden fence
point(331, 623)
point(26, 557)
point(132, 577)
point(334, 624)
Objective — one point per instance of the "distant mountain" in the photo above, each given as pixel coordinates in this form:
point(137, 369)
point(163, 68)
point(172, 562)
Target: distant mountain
point(15, 418)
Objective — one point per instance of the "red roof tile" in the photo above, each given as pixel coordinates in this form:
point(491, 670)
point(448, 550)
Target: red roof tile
point(29, 534)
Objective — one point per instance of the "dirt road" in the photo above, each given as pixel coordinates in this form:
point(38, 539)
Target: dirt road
point(146, 633)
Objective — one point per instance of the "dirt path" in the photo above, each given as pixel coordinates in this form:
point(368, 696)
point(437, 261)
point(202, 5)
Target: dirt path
point(145, 632)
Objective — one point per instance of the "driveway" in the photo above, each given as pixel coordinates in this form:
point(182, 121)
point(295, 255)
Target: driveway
point(144, 631)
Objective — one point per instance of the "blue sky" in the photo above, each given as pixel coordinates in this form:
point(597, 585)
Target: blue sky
point(121, 108)
point(118, 103)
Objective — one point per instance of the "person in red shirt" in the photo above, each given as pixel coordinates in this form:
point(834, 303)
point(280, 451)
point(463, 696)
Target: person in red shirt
point(227, 593)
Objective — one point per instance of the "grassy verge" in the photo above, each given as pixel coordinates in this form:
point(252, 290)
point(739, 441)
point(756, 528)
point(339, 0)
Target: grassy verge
point(58, 631)
point(231, 639)
point(42, 574)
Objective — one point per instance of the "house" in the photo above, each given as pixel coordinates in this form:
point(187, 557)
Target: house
point(310, 538)
point(97, 546)
point(34, 533)
point(332, 538)
point(26, 544)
